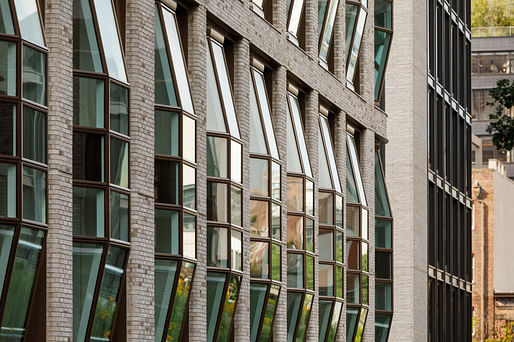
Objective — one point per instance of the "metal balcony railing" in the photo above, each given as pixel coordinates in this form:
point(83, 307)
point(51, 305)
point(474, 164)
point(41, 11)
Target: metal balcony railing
point(502, 31)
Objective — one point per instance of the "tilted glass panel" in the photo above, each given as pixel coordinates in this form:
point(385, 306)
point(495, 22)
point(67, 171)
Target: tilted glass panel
point(325, 307)
point(165, 271)
point(357, 173)
point(34, 194)
point(215, 287)
point(334, 323)
point(22, 283)
point(119, 162)
point(351, 16)
point(322, 10)
point(6, 238)
point(6, 24)
point(110, 40)
point(164, 87)
point(324, 178)
point(88, 156)
point(352, 315)
point(229, 307)
point(326, 208)
point(214, 110)
point(382, 45)
point(179, 69)
point(294, 303)
point(8, 66)
point(269, 314)
point(304, 317)
point(381, 201)
point(354, 52)
point(119, 216)
point(295, 194)
point(257, 142)
point(297, 122)
point(180, 303)
point(361, 325)
point(108, 296)
point(166, 231)
point(330, 152)
point(293, 155)
point(351, 187)
point(88, 212)
point(88, 102)
point(119, 104)
point(339, 246)
point(295, 14)
point(382, 326)
point(262, 96)
point(167, 133)
point(28, 20)
point(8, 192)
point(8, 127)
point(86, 264)
point(86, 54)
point(34, 135)
point(257, 302)
point(329, 26)
point(34, 75)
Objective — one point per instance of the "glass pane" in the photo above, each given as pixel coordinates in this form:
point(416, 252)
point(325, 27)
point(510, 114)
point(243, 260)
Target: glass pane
point(352, 221)
point(215, 287)
point(381, 201)
point(326, 208)
point(382, 325)
point(309, 235)
point(322, 8)
point(188, 138)
point(324, 178)
point(276, 227)
point(364, 251)
point(352, 288)
point(109, 291)
point(334, 323)
point(215, 117)
point(217, 247)
point(189, 186)
point(326, 280)
point(355, 164)
point(88, 212)
point(326, 244)
point(269, 314)
point(259, 218)
point(276, 260)
point(294, 194)
point(324, 317)
point(119, 162)
point(266, 113)
point(351, 188)
point(179, 69)
point(257, 301)
point(110, 40)
point(259, 263)
point(304, 317)
point(6, 24)
point(356, 44)
point(294, 271)
point(34, 135)
point(364, 223)
point(383, 296)
point(8, 127)
point(351, 322)
point(119, 104)
point(237, 250)
point(339, 211)
point(166, 182)
point(119, 216)
point(365, 288)
point(383, 265)
point(34, 194)
point(34, 75)
point(86, 55)
point(217, 202)
point(88, 102)
point(295, 111)
point(339, 246)
point(217, 161)
point(351, 16)
point(339, 282)
point(327, 33)
point(294, 302)
point(330, 149)
point(382, 44)
point(236, 207)
point(228, 308)
point(293, 155)
point(275, 181)
point(28, 20)
point(86, 264)
point(164, 87)
point(6, 237)
point(309, 272)
point(294, 17)
point(165, 271)
point(235, 162)
point(167, 133)
point(257, 142)
point(259, 177)
point(7, 62)
point(189, 236)
point(362, 322)
point(8, 193)
point(21, 286)
point(295, 232)
point(181, 299)
point(88, 156)
point(224, 86)
point(309, 197)
point(352, 254)
point(167, 231)
point(383, 233)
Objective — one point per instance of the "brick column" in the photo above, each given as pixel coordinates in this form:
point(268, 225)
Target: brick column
point(311, 28)
point(59, 260)
point(139, 55)
point(367, 57)
point(279, 15)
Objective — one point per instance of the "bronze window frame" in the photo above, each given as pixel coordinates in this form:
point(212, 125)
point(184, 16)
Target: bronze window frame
point(354, 83)
point(386, 61)
point(327, 62)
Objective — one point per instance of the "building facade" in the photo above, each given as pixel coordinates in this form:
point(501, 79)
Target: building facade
point(194, 171)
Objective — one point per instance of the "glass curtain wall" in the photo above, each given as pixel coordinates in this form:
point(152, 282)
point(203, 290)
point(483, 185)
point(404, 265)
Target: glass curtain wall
point(383, 36)
point(100, 170)
point(383, 256)
point(295, 13)
point(356, 14)
point(330, 206)
point(224, 196)
point(300, 224)
point(327, 11)
point(265, 210)
point(23, 163)
point(175, 179)
point(357, 275)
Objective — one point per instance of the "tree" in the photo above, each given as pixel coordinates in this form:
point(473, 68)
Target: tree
point(492, 13)
point(502, 126)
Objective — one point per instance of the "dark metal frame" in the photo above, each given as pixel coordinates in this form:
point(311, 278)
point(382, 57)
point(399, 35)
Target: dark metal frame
point(295, 38)
point(325, 62)
point(360, 6)
point(391, 33)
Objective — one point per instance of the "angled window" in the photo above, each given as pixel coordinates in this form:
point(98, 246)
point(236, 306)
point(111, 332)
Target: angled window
point(263, 8)
point(295, 21)
point(224, 195)
point(101, 189)
point(383, 256)
point(265, 210)
point(357, 276)
point(356, 14)
point(300, 224)
point(330, 206)
point(175, 179)
point(383, 36)
point(23, 163)
point(327, 10)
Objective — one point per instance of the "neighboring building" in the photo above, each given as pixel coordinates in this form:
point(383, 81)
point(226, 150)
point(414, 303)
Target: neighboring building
point(493, 279)
point(203, 170)
point(428, 168)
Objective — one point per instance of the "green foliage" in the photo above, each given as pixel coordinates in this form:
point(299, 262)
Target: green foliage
point(502, 126)
point(492, 13)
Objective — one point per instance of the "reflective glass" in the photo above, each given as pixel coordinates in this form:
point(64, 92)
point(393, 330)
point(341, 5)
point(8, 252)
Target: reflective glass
point(110, 39)
point(236, 207)
point(6, 238)
point(88, 102)
point(86, 54)
point(167, 133)
point(339, 246)
point(382, 325)
point(352, 254)
point(269, 313)
point(275, 181)
point(295, 232)
point(322, 9)
point(356, 44)
point(293, 155)
point(295, 111)
point(324, 178)
point(309, 235)
point(166, 182)
point(119, 104)
point(8, 127)
point(304, 317)
point(351, 16)
point(352, 288)
point(324, 317)
point(217, 160)
point(266, 112)
point(326, 244)
point(276, 259)
point(326, 280)
point(383, 233)
point(119, 162)
point(119, 216)
point(189, 236)
point(364, 260)
point(257, 301)
point(339, 211)
point(167, 228)
point(109, 291)
point(294, 16)
point(365, 289)
point(383, 266)
point(28, 20)
point(88, 212)
point(228, 308)
point(360, 327)
point(8, 193)
point(236, 244)
point(189, 186)
point(259, 218)
point(326, 208)
point(382, 44)
point(34, 75)
point(327, 32)
point(351, 322)
point(22, 283)
point(34, 135)
point(217, 202)
point(178, 314)
point(353, 221)
point(34, 194)
point(257, 142)
point(188, 138)
point(309, 272)
point(259, 263)
point(295, 193)
point(8, 63)
point(351, 188)
point(235, 161)
point(86, 264)
point(217, 247)
point(330, 151)
point(383, 14)
point(164, 86)
point(215, 117)
point(165, 271)
point(334, 323)
point(276, 227)
point(364, 224)
point(6, 24)
point(88, 156)
point(294, 303)
point(259, 177)
point(339, 282)
point(381, 201)
point(215, 294)
point(355, 164)
point(383, 296)
point(295, 271)
point(309, 197)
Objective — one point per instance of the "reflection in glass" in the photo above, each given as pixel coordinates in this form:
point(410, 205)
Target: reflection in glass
point(164, 87)
point(364, 253)
point(166, 231)
point(294, 302)
point(383, 296)
point(326, 36)
point(28, 20)
point(257, 301)
point(189, 236)
point(309, 235)
point(88, 102)
point(339, 246)
point(336, 314)
point(6, 24)
point(217, 206)
point(8, 66)
point(355, 165)
point(383, 233)
point(167, 133)
point(339, 282)
point(356, 43)
point(326, 208)
point(181, 299)
point(217, 247)
point(34, 75)
point(237, 250)
point(257, 142)
point(360, 327)
point(119, 103)
point(293, 155)
point(215, 287)
point(364, 223)
point(86, 55)
point(188, 138)
point(276, 257)
point(275, 181)
point(365, 287)
point(189, 186)
point(304, 317)
point(259, 176)
point(119, 216)
point(8, 127)
point(34, 194)
point(309, 197)
point(270, 313)
point(8, 193)
point(309, 272)
point(166, 182)
point(235, 210)
point(295, 112)
point(119, 162)
point(326, 244)
point(295, 232)
point(330, 150)
point(235, 161)
point(351, 323)
point(259, 264)
point(383, 265)
point(217, 157)
point(381, 200)
point(352, 254)
point(294, 271)
point(352, 221)
point(228, 308)
point(382, 325)
point(88, 156)
point(294, 15)
point(6, 238)
point(326, 280)
point(165, 271)
point(352, 288)
point(88, 212)
point(214, 110)
point(382, 44)
point(339, 211)
point(324, 178)
point(259, 218)
point(276, 227)
point(351, 188)
point(324, 308)
point(294, 194)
